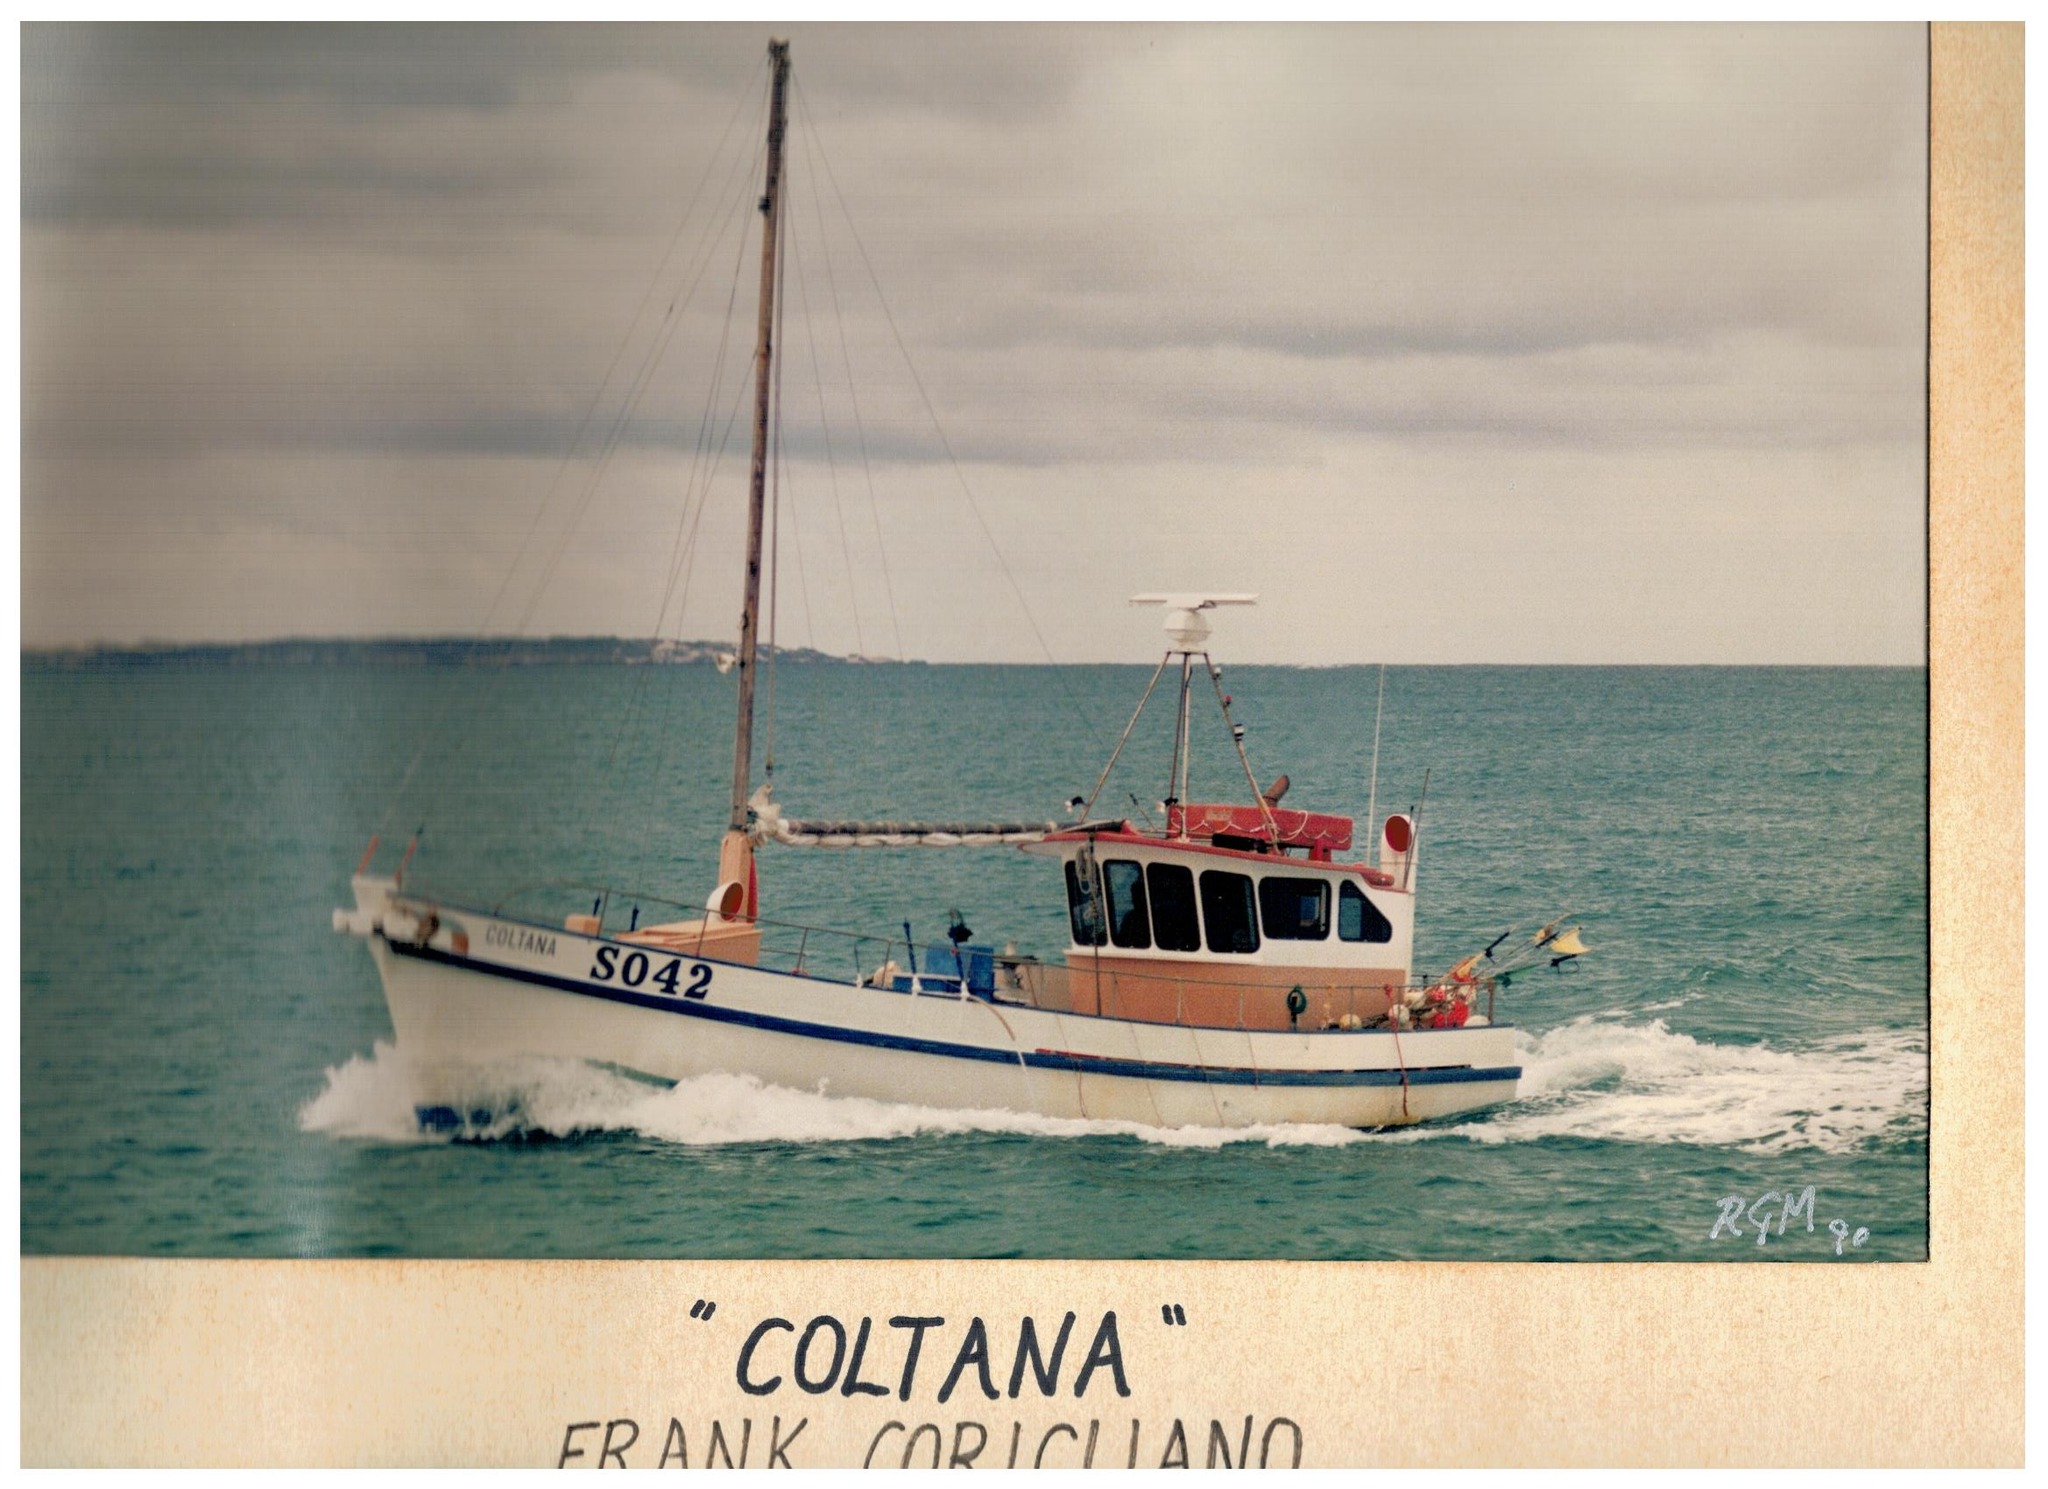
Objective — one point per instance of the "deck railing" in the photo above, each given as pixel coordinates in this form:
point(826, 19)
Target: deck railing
point(831, 955)
point(1308, 999)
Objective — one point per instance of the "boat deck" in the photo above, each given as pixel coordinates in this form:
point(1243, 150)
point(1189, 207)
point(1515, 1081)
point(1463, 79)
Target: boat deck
point(1264, 997)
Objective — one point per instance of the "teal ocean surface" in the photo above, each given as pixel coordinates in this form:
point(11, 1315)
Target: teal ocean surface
point(207, 1069)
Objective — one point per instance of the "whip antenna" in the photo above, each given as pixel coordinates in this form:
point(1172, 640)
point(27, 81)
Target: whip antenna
point(1372, 801)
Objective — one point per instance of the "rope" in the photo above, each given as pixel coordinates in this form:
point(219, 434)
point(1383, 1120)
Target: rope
point(852, 390)
point(803, 584)
point(1401, 1060)
point(670, 736)
point(446, 702)
point(642, 381)
point(1265, 809)
point(685, 530)
point(1103, 779)
point(775, 476)
point(705, 463)
point(704, 497)
point(697, 483)
point(931, 411)
point(831, 464)
point(689, 517)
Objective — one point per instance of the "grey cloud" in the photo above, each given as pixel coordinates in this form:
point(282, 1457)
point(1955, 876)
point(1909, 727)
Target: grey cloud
point(368, 66)
point(1106, 247)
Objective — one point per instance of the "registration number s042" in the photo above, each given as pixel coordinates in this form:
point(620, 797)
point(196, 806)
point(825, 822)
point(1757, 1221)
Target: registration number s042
point(636, 969)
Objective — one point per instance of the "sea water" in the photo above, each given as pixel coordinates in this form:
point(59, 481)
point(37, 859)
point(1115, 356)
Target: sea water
point(208, 1070)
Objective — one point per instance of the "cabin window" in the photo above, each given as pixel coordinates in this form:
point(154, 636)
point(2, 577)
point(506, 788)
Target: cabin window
point(1295, 909)
point(1084, 903)
point(1173, 907)
point(1129, 925)
point(1358, 918)
point(1228, 913)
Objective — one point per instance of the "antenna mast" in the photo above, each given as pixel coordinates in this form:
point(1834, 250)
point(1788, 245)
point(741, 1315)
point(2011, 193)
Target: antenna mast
point(1372, 801)
point(750, 616)
point(1188, 629)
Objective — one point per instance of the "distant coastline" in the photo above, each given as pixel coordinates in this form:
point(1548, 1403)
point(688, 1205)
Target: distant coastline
point(435, 651)
point(572, 651)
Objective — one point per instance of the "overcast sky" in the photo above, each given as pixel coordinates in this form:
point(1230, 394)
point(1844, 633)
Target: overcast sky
point(1470, 343)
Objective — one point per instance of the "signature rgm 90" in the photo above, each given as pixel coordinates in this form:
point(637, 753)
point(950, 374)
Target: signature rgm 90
point(637, 969)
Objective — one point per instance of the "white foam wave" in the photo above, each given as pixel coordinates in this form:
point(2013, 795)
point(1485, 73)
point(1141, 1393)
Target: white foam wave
point(375, 1097)
point(1594, 1078)
point(1643, 1083)
point(368, 1097)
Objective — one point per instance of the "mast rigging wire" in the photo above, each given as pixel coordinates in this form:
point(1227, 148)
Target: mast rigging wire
point(684, 565)
point(931, 411)
point(796, 538)
point(1103, 779)
point(775, 499)
point(1237, 738)
point(690, 512)
point(445, 703)
point(852, 386)
point(643, 381)
point(685, 530)
point(697, 517)
point(688, 555)
point(831, 465)
point(697, 481)
point(706, 246)
point(670, 736)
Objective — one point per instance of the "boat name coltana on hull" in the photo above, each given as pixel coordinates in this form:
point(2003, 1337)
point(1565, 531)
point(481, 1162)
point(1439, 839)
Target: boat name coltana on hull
point(519, 938)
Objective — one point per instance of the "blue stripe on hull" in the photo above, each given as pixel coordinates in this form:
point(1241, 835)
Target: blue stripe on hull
point(1040, 1059)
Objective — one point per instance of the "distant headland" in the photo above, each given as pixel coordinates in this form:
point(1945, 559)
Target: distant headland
point(426, 651)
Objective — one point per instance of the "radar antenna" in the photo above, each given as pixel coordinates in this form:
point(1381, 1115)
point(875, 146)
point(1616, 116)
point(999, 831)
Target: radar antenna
point(1185, 623)
point(1187, 628)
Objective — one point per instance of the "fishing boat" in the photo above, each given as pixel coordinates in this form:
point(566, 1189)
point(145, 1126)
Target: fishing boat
point(1234, 963)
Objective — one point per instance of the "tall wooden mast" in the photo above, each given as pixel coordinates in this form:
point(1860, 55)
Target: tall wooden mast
point(750, 616)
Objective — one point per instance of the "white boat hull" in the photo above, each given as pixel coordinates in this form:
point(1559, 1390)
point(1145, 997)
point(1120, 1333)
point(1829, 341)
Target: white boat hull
point(482, 989)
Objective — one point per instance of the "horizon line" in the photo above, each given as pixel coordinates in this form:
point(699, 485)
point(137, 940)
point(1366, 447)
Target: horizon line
point(159, 647)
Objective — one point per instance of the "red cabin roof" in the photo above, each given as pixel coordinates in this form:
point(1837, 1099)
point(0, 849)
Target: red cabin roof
point(1311, 830)
point(1199, 840)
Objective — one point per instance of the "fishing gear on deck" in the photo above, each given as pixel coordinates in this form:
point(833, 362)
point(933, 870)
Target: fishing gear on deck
point(1549, 944)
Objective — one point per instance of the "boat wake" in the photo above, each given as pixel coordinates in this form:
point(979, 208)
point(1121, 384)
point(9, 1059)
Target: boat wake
point(374, 1098)
point(1596, 1078)
point(1603, 1079)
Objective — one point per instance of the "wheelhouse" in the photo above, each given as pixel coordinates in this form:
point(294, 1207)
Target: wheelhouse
point(1224, 919)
